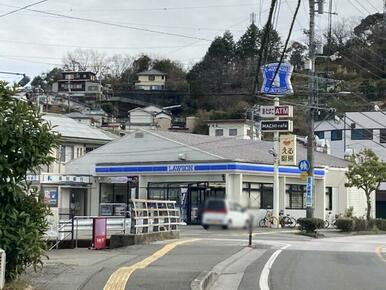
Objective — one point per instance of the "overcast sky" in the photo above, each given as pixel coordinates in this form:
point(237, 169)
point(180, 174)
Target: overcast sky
point(32, 42)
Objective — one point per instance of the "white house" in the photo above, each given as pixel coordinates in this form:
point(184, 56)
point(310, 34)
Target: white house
point(239, 128)
point(354, 132)
point(151, 79)
point(190, 168)
point(150, 118)
point(64, 192)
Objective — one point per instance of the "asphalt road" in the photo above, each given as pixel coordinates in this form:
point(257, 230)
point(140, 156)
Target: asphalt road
point(338, 262)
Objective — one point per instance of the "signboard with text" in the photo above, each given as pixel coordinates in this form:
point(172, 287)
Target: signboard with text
point(309, 192)
point(287, 147)
point(276, 126)
point(280, 84)
point(276, 111)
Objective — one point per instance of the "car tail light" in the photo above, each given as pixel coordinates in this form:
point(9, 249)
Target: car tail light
point(216, 211)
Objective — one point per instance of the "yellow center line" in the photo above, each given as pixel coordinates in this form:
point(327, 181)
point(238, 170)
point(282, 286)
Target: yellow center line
point(119, 278)
point(378, 252)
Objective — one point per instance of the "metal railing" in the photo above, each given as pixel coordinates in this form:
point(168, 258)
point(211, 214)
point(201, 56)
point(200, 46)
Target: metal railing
point(2, 268)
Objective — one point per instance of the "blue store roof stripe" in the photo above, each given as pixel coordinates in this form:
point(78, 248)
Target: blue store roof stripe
point(204, 167)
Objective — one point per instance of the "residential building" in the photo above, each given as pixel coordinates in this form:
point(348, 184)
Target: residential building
point(151, 80)
point(79, 84)
point(239, 128)
point(68, 193)
point(150, 118)
point(354, 132)
point(190, 168)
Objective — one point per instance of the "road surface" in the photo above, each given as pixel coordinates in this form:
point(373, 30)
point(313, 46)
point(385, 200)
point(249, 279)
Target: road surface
point(278, 260)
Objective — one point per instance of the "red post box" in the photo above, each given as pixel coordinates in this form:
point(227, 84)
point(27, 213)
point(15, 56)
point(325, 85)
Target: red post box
point(99, 233)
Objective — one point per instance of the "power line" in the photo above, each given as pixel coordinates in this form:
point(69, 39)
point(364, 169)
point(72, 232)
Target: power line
point(375, 8)
point(286, 44)
point(90, 20)
point(22, 8)
point(363, 7)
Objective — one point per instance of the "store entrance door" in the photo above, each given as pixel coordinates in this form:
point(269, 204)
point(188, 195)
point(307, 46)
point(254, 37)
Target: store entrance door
point(195, 202)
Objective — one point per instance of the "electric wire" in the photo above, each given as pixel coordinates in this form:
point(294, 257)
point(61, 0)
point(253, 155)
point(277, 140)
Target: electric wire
point(22, 8)
point(286, 44)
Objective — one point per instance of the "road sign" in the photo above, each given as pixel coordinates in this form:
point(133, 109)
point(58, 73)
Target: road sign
point(276, 126)
point(287, 147)
point(281, 85)
point(309, 192)
point(304, 165)
point(276, 111)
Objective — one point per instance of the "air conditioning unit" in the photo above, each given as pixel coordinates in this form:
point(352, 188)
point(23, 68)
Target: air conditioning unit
point(2, 268)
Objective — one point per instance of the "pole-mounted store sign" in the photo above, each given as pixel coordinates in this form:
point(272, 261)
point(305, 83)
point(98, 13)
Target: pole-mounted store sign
point(287, 147)
point(276, 126)
point(280, 84)
point(276, 111)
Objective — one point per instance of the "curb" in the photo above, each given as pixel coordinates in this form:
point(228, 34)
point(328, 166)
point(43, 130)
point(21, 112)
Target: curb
point(204, 281)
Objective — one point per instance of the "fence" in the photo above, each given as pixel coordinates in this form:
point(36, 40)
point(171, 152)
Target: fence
point(149, 216)
point(2, 268)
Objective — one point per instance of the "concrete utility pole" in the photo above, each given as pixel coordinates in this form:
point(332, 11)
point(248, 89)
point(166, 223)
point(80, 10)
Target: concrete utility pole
point(311, 98)
point(69, 95)
point(276, 167)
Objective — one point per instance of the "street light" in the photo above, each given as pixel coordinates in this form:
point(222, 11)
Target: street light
point(23, 82)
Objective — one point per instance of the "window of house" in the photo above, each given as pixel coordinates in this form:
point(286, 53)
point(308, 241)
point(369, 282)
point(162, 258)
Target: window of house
point(320, 134)
point(361, 134)
point(329, 198)
point(232, 132)
point(295, 196)
point(219, 132)
point(336, 135)
point(163, 77)
point(382, 135)
point(62, 153)
point(151, 78)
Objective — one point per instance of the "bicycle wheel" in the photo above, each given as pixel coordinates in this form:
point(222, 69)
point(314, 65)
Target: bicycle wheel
point(274, 222)
point(333, 223)
point(326, 224)
point(292, 222)
point(262, 223)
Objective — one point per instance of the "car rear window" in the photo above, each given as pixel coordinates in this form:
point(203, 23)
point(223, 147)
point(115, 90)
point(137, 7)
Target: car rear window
point(215, 204)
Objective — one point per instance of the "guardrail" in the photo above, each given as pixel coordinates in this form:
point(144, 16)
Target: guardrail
point(2, 268)
point(81, 227)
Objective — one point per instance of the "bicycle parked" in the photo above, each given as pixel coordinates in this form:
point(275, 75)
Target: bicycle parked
point(330, 221)
point(268, 220)
point(286, 220)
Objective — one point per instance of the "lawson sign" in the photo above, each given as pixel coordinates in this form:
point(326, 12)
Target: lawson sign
point(198, 168)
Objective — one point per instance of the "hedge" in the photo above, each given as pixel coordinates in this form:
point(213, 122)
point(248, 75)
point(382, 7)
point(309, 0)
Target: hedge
point(310, 225)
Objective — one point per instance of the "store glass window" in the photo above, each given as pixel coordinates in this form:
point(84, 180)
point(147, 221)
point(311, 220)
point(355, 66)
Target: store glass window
point(107, 193)
point(259, 195)
point(361, 134)
point(295, 196)
point(336, 135)
point(328, 198)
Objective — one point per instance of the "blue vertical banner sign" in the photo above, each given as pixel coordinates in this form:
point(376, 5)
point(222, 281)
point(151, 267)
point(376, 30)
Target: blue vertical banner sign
point(309, 191)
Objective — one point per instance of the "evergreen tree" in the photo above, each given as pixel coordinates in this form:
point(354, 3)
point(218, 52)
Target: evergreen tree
point(249, 43)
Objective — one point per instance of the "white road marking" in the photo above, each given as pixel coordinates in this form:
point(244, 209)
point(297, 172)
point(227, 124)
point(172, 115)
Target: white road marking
point(264, 277)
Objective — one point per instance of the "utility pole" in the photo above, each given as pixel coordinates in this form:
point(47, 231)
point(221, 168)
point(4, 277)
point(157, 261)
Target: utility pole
point(69, 93)
point(311, 99)
point(276, 210)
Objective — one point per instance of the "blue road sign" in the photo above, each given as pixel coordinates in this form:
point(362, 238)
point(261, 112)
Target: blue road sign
point(309, 192)
point(281, 85)
point(304, 165)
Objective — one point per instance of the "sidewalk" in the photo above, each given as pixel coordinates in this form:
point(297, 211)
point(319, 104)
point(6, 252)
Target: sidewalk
point(73, 268)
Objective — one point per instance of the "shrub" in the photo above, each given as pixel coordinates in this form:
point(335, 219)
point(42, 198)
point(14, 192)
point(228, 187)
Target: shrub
point(345, 224)
point(360, 224)
point(381, 224)
point(349, 212)
point(310, 225)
